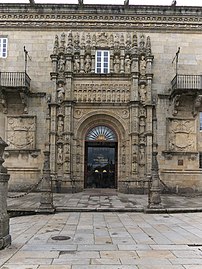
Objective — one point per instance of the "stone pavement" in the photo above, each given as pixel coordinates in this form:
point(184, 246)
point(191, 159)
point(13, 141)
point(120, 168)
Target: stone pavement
point(105, 240)
point(105, 200)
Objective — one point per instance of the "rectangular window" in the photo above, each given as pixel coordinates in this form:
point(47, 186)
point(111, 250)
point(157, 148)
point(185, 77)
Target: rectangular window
point(3, 47)
point(200, 121)
point(102, 62)
point(200, 159)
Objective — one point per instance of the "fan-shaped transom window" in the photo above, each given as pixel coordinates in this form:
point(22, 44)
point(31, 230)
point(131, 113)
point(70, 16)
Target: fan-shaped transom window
point(101, 133)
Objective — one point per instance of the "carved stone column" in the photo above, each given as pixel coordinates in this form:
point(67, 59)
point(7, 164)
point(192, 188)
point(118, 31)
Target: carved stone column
point(46, 203)
point(134, 130)
point(155, 197)
point(5, 238)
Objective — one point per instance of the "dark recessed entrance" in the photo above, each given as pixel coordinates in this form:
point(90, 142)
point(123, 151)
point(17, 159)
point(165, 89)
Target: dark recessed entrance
point(100, 158)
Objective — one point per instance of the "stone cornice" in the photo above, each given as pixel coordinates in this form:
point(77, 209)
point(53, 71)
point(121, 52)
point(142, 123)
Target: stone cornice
point(104, 16)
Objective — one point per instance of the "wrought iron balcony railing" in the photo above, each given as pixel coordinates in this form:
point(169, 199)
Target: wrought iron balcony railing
point(187, 82)
point(15, 80)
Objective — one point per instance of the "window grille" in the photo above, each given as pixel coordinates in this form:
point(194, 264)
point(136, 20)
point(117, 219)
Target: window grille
point(101, 133)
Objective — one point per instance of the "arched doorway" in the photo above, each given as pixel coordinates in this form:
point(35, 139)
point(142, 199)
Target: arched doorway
point(101, 158)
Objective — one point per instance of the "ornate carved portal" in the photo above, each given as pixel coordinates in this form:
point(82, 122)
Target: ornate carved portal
point(120, 99)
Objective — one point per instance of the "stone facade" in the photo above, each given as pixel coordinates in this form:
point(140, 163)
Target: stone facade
point(141, 98)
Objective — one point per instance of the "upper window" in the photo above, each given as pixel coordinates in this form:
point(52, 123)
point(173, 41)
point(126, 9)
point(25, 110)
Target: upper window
point(3, 47)
point(200, 120)
point(102, 62)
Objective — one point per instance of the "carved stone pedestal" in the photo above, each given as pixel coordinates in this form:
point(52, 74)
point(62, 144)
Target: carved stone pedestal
point(5, 238)
point(46, 204)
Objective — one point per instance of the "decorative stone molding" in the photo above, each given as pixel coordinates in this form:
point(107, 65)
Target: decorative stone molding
point(188, 19)
point(191, 156)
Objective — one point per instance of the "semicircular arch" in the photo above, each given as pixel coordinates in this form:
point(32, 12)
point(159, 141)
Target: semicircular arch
point(100, 119)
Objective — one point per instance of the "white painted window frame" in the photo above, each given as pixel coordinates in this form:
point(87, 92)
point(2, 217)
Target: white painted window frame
point(102, 62)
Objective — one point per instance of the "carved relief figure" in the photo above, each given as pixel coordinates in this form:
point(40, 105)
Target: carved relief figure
point(60, 125)
point(108, 96)
point(88, 64)
point(142, 125)
point(116, 64)
point(142, 155)
point(60, 154)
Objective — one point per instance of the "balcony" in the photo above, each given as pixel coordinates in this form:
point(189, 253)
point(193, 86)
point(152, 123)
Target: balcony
point(14, 85)
point(186, 84)
point(14, 80)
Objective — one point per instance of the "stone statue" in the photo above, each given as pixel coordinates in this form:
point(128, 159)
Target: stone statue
point(88, 64)
point(143, 93)
point(116, 64)
point(76, 64)
point(61, 64)
point(143, 66)
point(127, 64)
point(60, 92)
